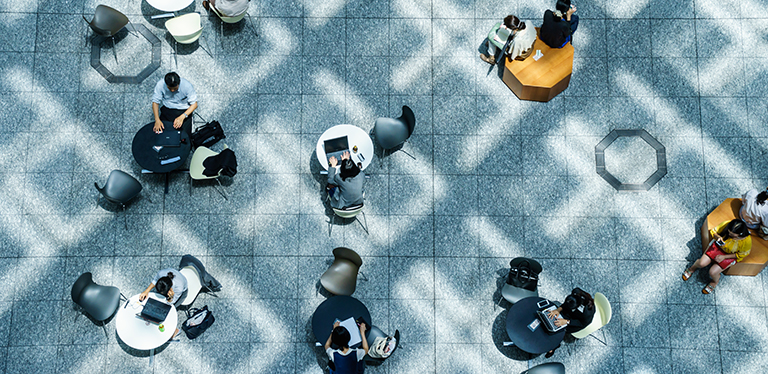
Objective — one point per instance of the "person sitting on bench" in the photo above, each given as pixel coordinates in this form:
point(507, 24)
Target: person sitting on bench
point(521, 44)
point(734, 242)
point(559, 26)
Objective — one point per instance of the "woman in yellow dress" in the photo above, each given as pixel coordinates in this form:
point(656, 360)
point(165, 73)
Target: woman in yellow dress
point(734, 241)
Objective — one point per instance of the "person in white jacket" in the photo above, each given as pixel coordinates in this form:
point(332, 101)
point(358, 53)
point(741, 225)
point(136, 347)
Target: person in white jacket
point(754, 210)
point(522, 39)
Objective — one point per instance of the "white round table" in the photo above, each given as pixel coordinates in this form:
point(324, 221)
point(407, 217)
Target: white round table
point(140, 334)
point(356, 137)
point(169, 5)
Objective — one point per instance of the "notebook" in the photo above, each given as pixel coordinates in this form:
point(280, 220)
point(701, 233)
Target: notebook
point(335, 147)
point(354, 331)
point(168, 138)
point(155, 310)
point(547, 321)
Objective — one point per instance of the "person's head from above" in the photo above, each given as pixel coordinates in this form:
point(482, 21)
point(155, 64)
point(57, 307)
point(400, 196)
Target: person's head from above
point(513, 23)
point(172, 80)
point(164, 286)
point(562, 7)
point(340, 337)
point(348, 169)
point(736, 229)
point(762, 197)
point(577, 298)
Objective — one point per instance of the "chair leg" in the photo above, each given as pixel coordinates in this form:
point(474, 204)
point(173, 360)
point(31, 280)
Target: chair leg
point(598, 339)
point(175, 53)
point(248, 20)
point(330, 224)
point(125, 217)
point(365, 227)
point(203, 47)
point(114, 49)
point(401, 149)
point(221, 192)
point(104, 326)
point(365, 278)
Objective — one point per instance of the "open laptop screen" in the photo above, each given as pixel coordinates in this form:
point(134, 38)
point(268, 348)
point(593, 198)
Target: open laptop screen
point(336, 145)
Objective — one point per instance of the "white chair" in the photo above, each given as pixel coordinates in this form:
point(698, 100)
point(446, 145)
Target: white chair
point(185, 29)
point(348, 212)
point(235, 19)
point(602, 316)
point(196, 167)
point(193, 284)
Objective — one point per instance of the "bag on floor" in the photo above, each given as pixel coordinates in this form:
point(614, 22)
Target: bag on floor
point(382, 347)
point(200, 321)
point(208, 134)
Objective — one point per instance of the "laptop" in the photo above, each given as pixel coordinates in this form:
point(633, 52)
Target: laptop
point(168, 138)
point(155, 310)
point(336, 147)
point(547, 321)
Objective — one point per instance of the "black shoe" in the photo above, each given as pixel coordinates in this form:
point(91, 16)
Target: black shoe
point(549, 354)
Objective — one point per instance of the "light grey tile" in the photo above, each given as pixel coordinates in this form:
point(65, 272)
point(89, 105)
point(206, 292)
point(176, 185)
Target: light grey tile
point(689, 292)
point(279, 114)
point(645, 325)
point(714, 37)
point(279, 75)
point(315, 238)
point(452, 77)
point(276, 234)
point(681, 238)
point(76, 358)
point(672, 37)
point(275, 277)
point(741, 327)
point(652, 360)
point(675, 76)
point(630, 76)
point(721, 76)
point(736, 165)
point(676, 116)
point(676, 10)
point(595, 230)
point(410, 37)
point(415, 9)
point(456, 278)
point(639, 239)
point(544, 156)
point(272, 357)
point(361, 111)
point(454, 37)
point(542, 118)
point(19, 32)
point(412, 194)
point(40, 357)
point(374, 241)
point(324, 37)
point(274, 320)
point(411, 75)
point(415, 318)
point(543, 193)
point(272, 198)
point(682, 197)
point(755, 76)
point(411, 235)
point(235, 274)
point(35, 313)
point(689, 361)
point(646, 285)
point(684, 156)
point(16, 117)
point(51, 72)
point(459, 9)
point(501, 195)
point(320, 112)
point(376, 270)
point(586, 116)
point(231, 357)
point(461, 196)
point(468, 358)
point(589, 78)
point(724, 117)
point(687, 333)
point(453, 236)
point(626, 40)
point(411, 278)
point(367, 36)
point(64, 33)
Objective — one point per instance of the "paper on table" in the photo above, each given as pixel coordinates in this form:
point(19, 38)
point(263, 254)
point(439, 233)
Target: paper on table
point(354, 331)
point(538, 55)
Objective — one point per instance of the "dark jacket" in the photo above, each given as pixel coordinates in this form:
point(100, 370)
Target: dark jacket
point(580, 317)
point(224, 161)
point(206, 279)
point(554, 31)
point(350, 191)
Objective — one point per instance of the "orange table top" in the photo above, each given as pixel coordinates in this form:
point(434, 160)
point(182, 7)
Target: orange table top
point(553, 67)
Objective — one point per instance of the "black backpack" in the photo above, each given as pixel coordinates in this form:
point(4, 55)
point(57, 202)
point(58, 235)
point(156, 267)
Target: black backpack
point(200, 321)
point(524, 274)
point(208, 134)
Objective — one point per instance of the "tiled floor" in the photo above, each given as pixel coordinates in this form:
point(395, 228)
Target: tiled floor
point(493, 178)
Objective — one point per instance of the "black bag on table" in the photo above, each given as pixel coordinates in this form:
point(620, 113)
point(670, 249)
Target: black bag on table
point(200, 321)
point(208, 134)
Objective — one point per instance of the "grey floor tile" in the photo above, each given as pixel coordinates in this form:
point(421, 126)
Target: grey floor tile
point(684, 156)
point(755, 76)
point(747, 362)
point(272, 358)
point(279, 114)
point(682, 197)
point(311, 268)
point(645, 325)
point(415, 318)
point(653, 360)
point(19, 32)
point(676, 116)
point(675, 76)
point(276, 235)
point(741, 327)
point(679, 292)
point(324, 36)
point(410, 36)
point(639, 239)
point(411, 278)
point(416, 9)
point(454, 76)
point(230, 235)
point(461, 196)
point(65, 33)
point(273, 321)
point(411, 75)
point(323, 76)
point(368, 36)
point(279, 75)
point(362, 111)
point(412, 235)
point(41, 357)
point(541, 200)
point(590, 77)
point(185, 234)
point(688, 333)
point(690, 361)
point(456, 278)
point(672, 37)
point(630, 76)
point(320, 112)
point(32, 313)
point(374, 241)
point(628, 43)
point(275, 277)
point(737, 164)
point(78, 358)
point(721, 76)
point(273, 199)
point(468, 358)
point(544, 156)
point(50, 72)
point(497, 236)
point(318, 240)
point(454, 37)
point(715, 36)
point(453, 236)
point(376, 270)
point(231, 357)
point(586, 116)
point(412, 194)
point(646, 285)
point(451, 318)
point(234, 273)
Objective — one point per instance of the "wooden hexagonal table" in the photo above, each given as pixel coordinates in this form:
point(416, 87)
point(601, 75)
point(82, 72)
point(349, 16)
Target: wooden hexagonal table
point(540, 80)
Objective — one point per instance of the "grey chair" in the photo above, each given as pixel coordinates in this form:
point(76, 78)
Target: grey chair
point(547, 368)
point(392, 132)
point(341, 276)
point(377, 333)
point(107, 22)
point(120, 188)
point(512, 293)
point(100, 302)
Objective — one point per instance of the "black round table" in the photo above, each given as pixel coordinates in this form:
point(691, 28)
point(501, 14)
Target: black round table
point(148, 158)
point(538, 341)
point(341, 308)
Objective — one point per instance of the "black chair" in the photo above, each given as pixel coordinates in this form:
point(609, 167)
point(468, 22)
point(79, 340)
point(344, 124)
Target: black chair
point(377, 333)
point(392, 132)
point(107, 22)
point(522, 282)
point(547, 368)
point(120, 188)
point(100, 302)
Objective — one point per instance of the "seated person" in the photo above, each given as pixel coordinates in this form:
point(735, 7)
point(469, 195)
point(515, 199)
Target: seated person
point(736, 244)
point(227, 8)
point(178, 100)
point(345, 182)
point(521, 44)
point(754, 211)
point(169, 283)
point(577, 312)
point(559, 26)
point(345, 360)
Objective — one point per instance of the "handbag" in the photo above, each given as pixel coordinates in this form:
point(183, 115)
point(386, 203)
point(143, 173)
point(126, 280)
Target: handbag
point(714, 250)
point(523, 276)
point(200, 321)
point(763, 232)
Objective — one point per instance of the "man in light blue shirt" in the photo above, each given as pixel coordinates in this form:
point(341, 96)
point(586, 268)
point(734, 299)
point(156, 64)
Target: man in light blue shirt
point(178, 100)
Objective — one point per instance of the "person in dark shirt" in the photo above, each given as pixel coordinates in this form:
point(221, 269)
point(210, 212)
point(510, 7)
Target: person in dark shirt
point(559, 26)
point(577, 312)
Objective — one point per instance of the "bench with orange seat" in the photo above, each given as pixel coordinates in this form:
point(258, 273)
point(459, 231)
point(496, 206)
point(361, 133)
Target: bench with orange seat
point(758, 258)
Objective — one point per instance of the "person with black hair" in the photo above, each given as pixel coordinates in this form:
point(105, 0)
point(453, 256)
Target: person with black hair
point(521, 44)
point(345, 182)
point(754, 210)
point(577, 312)
point(559, 26)
point(345, 360)
point(227, 8)
point(174, 100)
point(169, 283)
point(734, 243)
